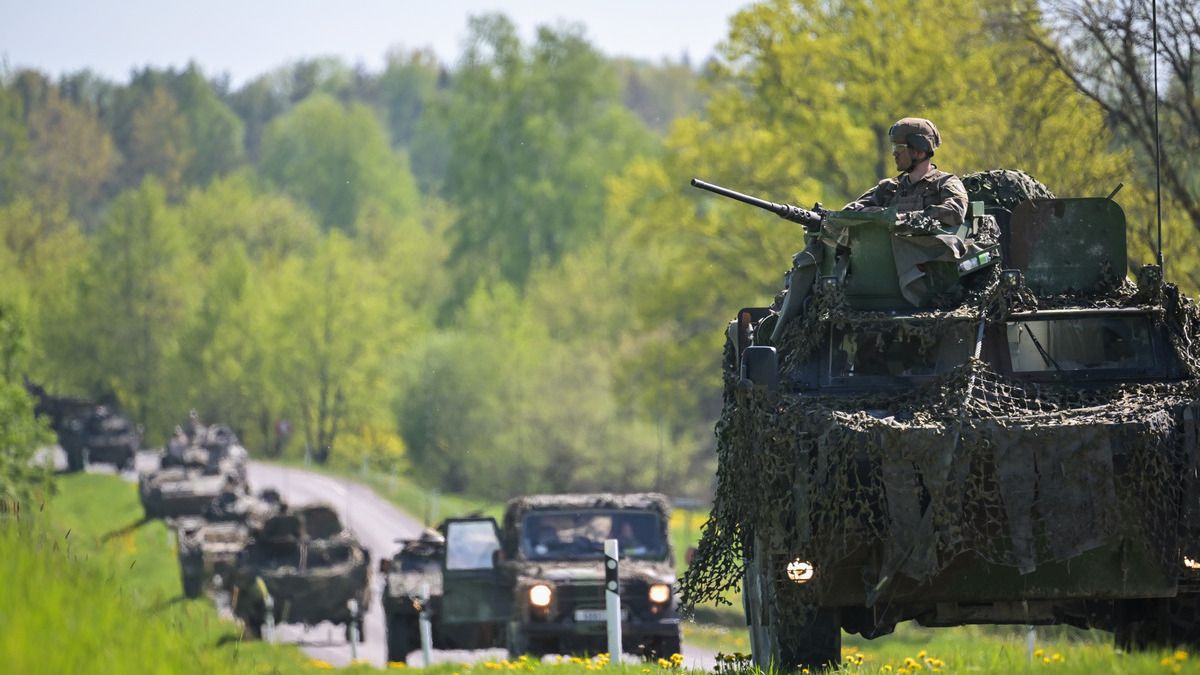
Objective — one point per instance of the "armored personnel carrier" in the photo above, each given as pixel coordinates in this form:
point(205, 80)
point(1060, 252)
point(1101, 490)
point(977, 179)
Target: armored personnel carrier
point(1021, 449)
point(88, 432)
point(208, 546)
point(302, 566)
point(536, 584)
point(188, 488)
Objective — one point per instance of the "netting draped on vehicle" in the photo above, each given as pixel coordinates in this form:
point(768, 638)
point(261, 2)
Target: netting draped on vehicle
point(973, 462)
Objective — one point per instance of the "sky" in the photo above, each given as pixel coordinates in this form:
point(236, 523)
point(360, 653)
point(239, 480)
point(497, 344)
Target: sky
point(248, 38)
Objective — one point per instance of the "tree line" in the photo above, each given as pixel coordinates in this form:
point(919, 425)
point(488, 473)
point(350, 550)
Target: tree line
point(491, 275)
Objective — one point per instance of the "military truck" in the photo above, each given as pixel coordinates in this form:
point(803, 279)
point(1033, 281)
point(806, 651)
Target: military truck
point(88, 432)
point(302, 566)
point(208, 546)
point(536, 584)
point(1021, 450)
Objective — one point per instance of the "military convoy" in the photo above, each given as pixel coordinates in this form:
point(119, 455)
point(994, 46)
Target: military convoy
point(209, 545)
point(535, 585)
point(193, 474)
point(1021, 448)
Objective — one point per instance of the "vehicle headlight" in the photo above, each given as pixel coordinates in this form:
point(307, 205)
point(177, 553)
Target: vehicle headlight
point(660, 593)
point(1190, 564)
point(800, 571)
point(539, 595)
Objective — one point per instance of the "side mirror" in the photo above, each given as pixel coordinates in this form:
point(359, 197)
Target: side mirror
point(385, 565)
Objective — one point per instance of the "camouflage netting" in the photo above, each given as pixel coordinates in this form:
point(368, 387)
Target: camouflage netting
point(971, 463)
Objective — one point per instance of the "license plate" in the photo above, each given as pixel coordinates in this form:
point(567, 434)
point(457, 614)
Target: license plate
point(588, 615)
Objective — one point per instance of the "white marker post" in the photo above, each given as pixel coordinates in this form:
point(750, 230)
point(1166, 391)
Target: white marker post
point(612, 600)
point(424, 628)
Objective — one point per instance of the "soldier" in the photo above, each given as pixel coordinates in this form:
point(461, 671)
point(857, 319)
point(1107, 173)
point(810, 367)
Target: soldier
point(929, 202)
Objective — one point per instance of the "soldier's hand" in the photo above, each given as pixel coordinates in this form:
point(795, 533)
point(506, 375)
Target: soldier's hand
point(916, 223)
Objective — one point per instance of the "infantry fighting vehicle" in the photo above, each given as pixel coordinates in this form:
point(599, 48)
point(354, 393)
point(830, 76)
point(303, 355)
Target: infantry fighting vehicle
point(536, 585)
point(208, 546)
point(187, 486)
point(1020, 449)
point(302, 566)
point(88, 432)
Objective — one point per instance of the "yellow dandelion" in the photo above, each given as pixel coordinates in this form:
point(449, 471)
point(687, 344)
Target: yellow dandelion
point(922, 654)
point(1166, 661)
point(396, 665)
point(887, 668)
point(663, 663)
point(677, 658)
point(321, 665)
point(1181, 655)
point(645, 670)
point(1057, 658)
point(1176, 668)
point(910, 662)
point(1046, 660)
point(1039, 653)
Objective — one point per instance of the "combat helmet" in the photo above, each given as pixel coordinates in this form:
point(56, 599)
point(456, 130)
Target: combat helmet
point(917, 133)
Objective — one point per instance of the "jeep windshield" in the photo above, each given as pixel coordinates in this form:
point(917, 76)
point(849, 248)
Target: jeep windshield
point(1076, 345)
point(580, 534)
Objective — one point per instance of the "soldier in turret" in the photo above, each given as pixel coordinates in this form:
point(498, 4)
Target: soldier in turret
point(929, 202)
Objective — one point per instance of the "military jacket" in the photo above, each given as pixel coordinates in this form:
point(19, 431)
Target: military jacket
point(938, 194)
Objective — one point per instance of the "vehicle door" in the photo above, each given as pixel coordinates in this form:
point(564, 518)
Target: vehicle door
point(474, 589)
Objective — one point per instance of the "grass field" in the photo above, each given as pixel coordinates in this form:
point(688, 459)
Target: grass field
point(86, 587)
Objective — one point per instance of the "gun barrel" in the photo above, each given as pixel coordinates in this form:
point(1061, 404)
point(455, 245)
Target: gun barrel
point(733, 194)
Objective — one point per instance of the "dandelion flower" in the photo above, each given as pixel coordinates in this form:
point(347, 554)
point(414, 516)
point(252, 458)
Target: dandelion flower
point(396, 665)
point(1181, 655)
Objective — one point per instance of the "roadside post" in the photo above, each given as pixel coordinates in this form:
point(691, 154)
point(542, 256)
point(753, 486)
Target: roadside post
point(352, 632)
point(424, 628)
point(612, 600)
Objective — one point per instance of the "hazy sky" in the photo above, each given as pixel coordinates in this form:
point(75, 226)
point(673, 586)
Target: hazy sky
point(249, 37)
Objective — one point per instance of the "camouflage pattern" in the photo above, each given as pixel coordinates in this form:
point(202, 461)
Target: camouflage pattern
point(976, 493)
point(190, 478)
point(310, 566)
point(939, 195)
point(412, 583)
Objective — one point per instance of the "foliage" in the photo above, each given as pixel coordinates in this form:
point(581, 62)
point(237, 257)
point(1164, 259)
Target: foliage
point(22, 480)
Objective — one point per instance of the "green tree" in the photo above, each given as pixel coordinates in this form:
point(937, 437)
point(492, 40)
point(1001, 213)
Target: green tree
point(22, 481)
point(133, 299)
point(214, 130)
point(336, 334)
point(533, 134)
point(337, 159)
point(158, 144)
point(71, 155)
point(14, 143)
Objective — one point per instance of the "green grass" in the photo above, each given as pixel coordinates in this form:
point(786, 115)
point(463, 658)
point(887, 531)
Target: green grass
point(87, 587)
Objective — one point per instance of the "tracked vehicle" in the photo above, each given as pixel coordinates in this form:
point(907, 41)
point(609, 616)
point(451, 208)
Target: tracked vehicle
point(1022, 449)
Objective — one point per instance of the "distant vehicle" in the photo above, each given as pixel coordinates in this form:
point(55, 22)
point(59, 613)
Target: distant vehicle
point(1020, 450)
point(537, 586)
point(190, 477)
point(303, 567)
point(208, 546)
point(89, 432)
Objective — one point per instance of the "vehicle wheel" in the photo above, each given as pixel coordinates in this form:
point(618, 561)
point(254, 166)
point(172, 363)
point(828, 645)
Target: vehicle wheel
point(1158, 623)
point(665, 647)
point(780, 642)
point(402, 637)
point(253, 628)
point(74, 460)
point(128, 463)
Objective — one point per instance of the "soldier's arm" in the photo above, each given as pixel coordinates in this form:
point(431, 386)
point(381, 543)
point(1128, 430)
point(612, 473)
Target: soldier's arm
point(873, 199)
point(952, 208)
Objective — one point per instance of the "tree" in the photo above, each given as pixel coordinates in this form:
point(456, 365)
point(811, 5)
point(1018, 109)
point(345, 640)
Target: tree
point(1106, 49)
point(533, 133)
point(133, 298)
point(71, 155)
point(336, 159)
point(333, 343)
point(14, 144)
point(158, 144)
point(215, 131)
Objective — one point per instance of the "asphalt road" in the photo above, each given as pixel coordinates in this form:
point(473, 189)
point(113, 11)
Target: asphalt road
point(377, 524)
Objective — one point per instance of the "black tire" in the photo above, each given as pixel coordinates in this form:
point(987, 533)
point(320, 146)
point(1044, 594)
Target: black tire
point(1158, 623)
point(780, 641)
point(663, 647)
point(402, 637)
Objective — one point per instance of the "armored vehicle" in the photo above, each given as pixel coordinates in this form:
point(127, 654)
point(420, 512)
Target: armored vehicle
point(302, 566)
point(1022, 449)
point(89, 432)
point(536, 585)
point(189, 487)
point(412, 583)
point(208, 546)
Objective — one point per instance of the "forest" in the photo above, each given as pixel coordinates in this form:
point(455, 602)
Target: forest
point(491, 275)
